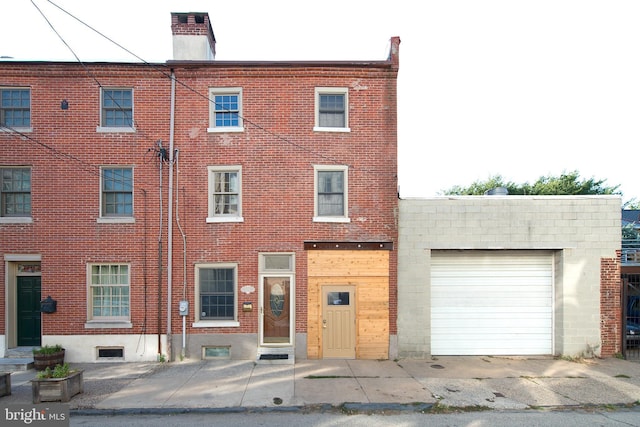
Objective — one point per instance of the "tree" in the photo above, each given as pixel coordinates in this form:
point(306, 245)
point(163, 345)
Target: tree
point(568, 183)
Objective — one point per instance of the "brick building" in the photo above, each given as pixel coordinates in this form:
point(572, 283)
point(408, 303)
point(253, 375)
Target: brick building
point(199, 208)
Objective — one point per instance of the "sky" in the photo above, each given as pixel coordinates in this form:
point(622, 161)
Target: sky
point(520, 89)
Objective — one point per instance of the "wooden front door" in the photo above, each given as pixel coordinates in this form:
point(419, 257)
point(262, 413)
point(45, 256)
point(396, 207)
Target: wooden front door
point(276, 309)
point(28, 309)
point(338, 322)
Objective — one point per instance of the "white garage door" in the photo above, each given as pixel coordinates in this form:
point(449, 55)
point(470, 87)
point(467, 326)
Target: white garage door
point(491, 303)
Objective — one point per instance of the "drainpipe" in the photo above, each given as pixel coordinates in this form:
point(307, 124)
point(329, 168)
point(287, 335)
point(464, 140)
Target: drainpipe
point(170, 217)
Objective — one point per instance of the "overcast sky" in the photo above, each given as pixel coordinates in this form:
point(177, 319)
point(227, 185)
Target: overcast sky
point(522, 89)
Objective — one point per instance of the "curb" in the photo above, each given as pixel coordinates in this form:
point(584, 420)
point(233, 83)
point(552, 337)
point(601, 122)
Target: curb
point(345, 407)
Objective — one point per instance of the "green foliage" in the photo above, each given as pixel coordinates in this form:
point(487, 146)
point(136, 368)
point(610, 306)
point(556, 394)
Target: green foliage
point(48, 349)
point(59, 371)
point(568, 183)
point(629, 231)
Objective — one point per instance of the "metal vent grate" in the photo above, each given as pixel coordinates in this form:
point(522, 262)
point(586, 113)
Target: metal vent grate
point(274, 356)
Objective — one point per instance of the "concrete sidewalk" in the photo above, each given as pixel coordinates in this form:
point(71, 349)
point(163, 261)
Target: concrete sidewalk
point(476, 382)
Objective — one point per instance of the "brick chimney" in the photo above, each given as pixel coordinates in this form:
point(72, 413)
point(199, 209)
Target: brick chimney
point(193, 38)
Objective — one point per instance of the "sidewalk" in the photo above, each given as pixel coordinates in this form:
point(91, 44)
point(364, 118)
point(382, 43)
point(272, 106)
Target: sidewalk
point(410, 384)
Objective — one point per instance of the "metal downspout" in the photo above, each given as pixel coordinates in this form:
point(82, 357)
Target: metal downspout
point(170, 217)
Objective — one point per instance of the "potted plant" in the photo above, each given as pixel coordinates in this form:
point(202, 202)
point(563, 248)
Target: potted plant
point(59, 384)
point(48, 356)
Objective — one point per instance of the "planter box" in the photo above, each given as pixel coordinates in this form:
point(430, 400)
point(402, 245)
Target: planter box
point(5, 384)
point(57, 389)
point(44, 361)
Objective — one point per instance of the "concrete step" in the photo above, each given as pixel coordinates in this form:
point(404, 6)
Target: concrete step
point(17, 359)
point(276, 356)
point(13, 364)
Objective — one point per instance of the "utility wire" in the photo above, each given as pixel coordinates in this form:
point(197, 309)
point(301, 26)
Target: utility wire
point(89, 167)
point(84, 66)
point(186, 86)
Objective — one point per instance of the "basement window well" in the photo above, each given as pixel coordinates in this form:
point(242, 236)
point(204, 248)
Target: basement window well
point(110, 353)
point(216, 352)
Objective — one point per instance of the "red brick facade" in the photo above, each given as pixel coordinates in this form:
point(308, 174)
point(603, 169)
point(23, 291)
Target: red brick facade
point(610, 303)
point(277, 150)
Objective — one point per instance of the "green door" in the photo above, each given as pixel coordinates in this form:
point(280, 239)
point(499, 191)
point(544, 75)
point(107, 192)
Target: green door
point(29, 329)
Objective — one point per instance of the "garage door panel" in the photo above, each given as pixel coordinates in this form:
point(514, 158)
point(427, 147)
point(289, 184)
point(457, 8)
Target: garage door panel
point(488, 347)
point(491, 303)
point(525, 301)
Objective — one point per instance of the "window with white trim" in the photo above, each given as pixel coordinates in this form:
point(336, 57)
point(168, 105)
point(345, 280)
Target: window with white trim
point(216, 295)
point(116, 110)
point(330, 199)
point(225, 110)
point(225, 194)
point(331, 109)
point(15, 107)
point(116, 192)
point(109, 286)
point(15, 192)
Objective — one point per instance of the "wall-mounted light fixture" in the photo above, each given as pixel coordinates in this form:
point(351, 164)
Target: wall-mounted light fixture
point(64, 105)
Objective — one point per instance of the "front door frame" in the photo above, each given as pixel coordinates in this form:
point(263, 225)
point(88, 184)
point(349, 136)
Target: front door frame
point(16, 265)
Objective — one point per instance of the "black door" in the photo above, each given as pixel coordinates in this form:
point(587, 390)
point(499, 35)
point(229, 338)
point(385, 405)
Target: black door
point(29, 328)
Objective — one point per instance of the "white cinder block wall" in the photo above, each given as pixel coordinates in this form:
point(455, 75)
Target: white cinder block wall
point(580, 230)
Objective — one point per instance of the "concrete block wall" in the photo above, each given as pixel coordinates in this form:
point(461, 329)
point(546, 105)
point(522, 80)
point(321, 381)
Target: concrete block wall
point(580, 230)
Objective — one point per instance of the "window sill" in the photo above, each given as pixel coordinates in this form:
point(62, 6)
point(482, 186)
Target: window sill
point(116, 324)
point(10, 129)
point(322, 129)
point(116, 220)
point(214, 219)
point(216, 324)
point(16, 220)
point(331, 219)
point(123, 129)
point(226, 129)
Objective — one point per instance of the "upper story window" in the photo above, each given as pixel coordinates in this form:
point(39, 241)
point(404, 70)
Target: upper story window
point(116, 110)
point(15, 107)
point(15, 192)
point(225, 112)
point(117, 192)
point(225, 198)
point(332, 109)
point(331, 194)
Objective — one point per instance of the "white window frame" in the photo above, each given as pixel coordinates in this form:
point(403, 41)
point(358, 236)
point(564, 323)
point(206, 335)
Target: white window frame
point(207, 323)
point(106, 321)
point(212, 109)
point(116, 219)
point(24, 129)
point(119, 129)
point(331, 168)
point(212, 217)
point(331, 91)
point(24, 218)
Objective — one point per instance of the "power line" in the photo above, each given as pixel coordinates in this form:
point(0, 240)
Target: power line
point(186, 86)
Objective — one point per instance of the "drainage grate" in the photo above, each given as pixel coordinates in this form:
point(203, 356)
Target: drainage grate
point(274, 356)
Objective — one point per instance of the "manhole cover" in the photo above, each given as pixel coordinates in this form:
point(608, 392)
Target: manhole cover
point(277, 401)
point(437, 366)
